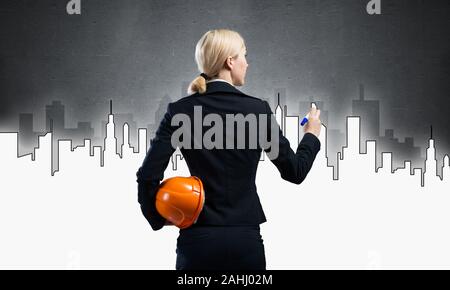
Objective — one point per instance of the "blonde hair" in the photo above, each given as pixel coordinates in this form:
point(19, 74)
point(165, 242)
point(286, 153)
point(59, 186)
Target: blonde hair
point(211, 52)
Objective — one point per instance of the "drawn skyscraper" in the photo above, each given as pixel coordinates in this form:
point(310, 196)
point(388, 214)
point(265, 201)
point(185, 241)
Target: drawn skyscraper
point(27, 137)
point(369, 111)
point(431, 163)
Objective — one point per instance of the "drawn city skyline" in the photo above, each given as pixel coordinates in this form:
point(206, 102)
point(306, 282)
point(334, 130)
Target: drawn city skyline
point(368, 110)
point(289, 125)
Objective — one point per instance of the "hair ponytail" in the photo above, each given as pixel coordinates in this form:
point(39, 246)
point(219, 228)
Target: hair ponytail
point(197, 85)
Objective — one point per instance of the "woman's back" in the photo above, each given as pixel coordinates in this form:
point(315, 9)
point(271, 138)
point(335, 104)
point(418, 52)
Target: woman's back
point(227, 171)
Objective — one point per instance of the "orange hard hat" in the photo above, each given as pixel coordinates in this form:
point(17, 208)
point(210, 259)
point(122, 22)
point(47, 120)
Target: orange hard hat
point(180, 200)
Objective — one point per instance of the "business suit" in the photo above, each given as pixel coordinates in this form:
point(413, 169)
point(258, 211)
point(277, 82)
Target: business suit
point(228, 175)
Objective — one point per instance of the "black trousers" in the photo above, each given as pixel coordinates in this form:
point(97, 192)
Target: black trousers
point(220, 248)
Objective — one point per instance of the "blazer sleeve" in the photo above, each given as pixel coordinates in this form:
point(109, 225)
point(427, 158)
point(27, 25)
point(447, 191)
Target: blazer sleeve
point(151, 172)
point(293, 166)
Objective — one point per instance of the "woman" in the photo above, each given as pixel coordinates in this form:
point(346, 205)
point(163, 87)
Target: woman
point(226, 234)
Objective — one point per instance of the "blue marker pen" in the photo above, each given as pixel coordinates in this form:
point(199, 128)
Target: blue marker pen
point(305, 118)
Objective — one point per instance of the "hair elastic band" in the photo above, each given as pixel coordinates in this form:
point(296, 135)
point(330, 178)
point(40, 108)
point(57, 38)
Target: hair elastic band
point(205, 76)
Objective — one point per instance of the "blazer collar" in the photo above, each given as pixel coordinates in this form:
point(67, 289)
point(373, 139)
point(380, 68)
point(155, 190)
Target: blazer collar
point(221, 87)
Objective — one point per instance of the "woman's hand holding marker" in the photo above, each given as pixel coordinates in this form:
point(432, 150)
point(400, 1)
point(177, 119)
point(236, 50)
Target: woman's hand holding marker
point(312, 121)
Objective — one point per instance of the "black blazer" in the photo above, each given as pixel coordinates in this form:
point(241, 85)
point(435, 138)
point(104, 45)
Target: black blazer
point(228, 175)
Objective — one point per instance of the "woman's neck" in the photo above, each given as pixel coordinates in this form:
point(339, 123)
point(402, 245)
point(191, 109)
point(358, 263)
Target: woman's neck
point(220, 80)
point(226, 76)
